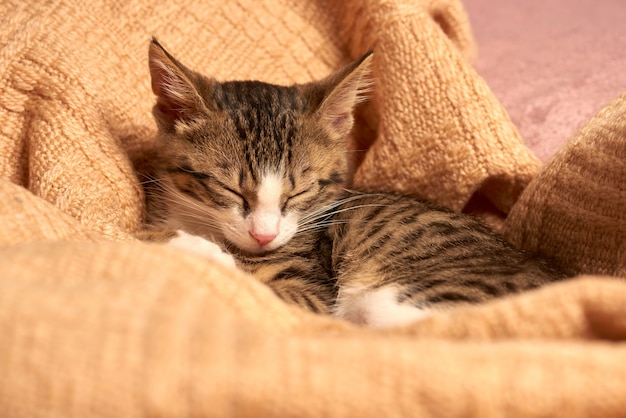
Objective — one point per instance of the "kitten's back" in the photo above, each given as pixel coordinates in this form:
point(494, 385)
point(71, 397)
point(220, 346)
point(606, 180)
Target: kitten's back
point(392, 252)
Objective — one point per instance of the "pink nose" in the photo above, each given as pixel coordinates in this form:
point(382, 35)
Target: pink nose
point(263, 239)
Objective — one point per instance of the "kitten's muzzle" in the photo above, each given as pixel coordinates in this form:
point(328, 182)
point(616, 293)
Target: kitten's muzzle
point(263, 239)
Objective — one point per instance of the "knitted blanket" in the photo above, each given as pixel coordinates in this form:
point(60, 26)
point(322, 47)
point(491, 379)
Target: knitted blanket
point(96, 323)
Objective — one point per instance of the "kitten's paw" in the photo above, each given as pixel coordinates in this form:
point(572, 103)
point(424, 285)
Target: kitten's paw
point(376, 308)
point(203, 247)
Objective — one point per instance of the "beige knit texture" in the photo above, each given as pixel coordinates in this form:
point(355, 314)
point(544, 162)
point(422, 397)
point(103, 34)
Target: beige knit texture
point(96, 324)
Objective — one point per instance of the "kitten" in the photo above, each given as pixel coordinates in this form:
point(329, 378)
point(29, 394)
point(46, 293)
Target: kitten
point(260, 170)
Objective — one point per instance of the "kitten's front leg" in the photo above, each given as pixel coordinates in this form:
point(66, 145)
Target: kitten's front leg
point(201, 246)
point(189, 243)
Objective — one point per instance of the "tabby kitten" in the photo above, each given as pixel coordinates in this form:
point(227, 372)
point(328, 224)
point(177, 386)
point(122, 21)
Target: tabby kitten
point(259, 170)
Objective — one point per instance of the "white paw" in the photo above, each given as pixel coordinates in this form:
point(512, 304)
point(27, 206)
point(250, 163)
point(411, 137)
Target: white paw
point(203, 247)
point(376, 308)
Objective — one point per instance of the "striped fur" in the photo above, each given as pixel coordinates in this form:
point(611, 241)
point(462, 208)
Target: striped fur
point(431, 258)
point(260, 170)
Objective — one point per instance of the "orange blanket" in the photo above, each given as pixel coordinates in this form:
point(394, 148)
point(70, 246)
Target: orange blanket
point(95, 323)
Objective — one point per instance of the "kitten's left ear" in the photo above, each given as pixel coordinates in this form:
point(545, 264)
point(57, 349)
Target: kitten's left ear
point(343, 91)
point(176, 88)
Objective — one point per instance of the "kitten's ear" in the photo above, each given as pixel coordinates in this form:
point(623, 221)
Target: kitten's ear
point(175, 87)
point(343, 91)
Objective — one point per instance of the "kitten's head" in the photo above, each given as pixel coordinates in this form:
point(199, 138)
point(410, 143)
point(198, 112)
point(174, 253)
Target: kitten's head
point(249, 162)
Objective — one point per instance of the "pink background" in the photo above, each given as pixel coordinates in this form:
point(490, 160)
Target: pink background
point(553, 64)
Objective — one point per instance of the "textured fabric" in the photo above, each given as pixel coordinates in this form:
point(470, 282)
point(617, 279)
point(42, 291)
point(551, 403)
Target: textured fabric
point(94, 323)
point(580, 197)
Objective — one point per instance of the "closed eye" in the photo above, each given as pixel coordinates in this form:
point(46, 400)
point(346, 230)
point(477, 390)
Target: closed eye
point(244, 202)
point(335, 178)
point(298, 194)
point(293, 197)
point(200, 176)
point(196, 174)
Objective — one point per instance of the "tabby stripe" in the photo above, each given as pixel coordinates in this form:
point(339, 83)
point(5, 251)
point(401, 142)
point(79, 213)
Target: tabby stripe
point(238, 121)
point(494, 270)
point(435, 266)
point(443, 228)
point(272, 258)
point(242, 178)
point(414, 216)
point(483, 286)
point(309, 302)
point(424, 282)
point(478, 256)
point(406, 244)
point(510, 287)
point(249, 160)
point(380, 242)
point(201, 179)
point(414, 235)
point(289, 273)
point(335, 178)
point(190, 193)
point(374, 213)
point(415, 293)
point(450, 297)
point(292, 181)
point(216, 198)
point(439, 250)
point(323, 281)
point(356, 223)
point(409, 242)
point(303, 254)
point(188, 171)
point(322, 195)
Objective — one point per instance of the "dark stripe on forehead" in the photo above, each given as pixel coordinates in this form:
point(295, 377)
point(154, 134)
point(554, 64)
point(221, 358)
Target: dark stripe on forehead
point(288, 129)
point(190, 192)
point(265, 119)
point(242, 178)
point(241, 94)
point(292, 180)
point(251, 163)
point(241, 125)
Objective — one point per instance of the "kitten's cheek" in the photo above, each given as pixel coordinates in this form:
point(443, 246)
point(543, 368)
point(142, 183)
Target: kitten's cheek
point(289, 227)
point(235, 230)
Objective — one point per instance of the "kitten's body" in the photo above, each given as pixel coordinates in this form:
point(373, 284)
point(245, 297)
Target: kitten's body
point(393, 251)
point(260, 169)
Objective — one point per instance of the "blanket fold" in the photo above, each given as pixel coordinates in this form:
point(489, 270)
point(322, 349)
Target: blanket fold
point(580, 197)
point(95, 323)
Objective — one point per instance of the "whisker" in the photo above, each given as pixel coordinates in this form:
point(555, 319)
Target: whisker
point(181, 198)
point(188, 204)
point(323, 210)
point(319, 226)
point(198, 219)
point(190, 210)
point(153, 180)
point(347, 209)
point(340, 211)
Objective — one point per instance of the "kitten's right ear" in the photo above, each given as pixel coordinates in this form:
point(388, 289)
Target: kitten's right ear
point(173, 83)
point(342, 92)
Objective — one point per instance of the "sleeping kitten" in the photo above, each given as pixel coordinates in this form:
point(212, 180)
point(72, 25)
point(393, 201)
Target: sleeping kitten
point(260, 170)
